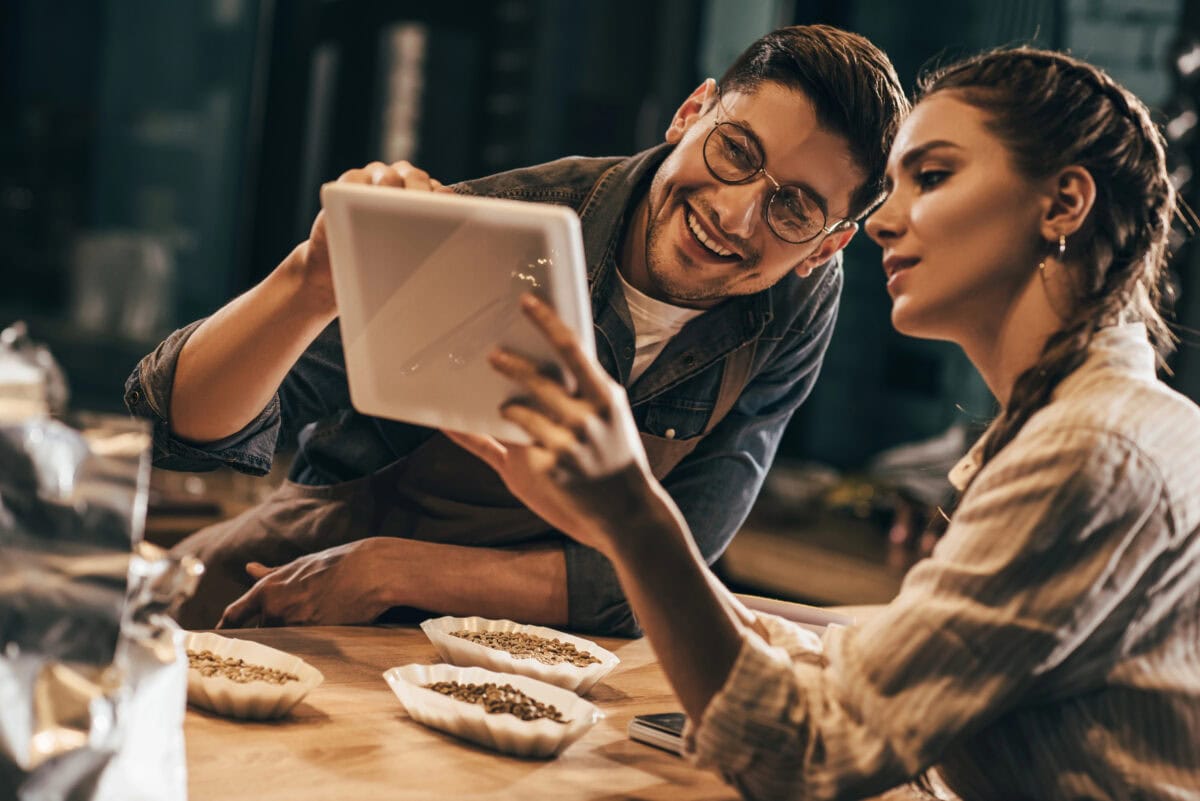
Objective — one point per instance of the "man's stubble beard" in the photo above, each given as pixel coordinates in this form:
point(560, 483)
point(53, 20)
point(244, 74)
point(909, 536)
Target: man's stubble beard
point(659, 263)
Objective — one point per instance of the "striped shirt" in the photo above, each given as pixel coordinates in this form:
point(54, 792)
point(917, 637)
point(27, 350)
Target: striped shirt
point(1050, 646)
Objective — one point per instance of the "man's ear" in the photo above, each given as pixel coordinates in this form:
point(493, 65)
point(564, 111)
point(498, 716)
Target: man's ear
point(696, 104)
point(1069, 197)
point(831, 244)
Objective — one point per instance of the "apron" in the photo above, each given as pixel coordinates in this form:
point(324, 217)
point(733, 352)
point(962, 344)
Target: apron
point(437, 493)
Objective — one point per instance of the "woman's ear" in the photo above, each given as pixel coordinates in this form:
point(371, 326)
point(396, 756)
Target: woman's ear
point(1071, 193)
point(696, 104)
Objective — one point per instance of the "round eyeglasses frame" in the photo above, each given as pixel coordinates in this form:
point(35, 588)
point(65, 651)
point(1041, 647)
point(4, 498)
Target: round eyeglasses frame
point(823, 228)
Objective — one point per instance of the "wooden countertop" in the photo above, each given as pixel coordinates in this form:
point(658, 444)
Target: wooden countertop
point(350, 738)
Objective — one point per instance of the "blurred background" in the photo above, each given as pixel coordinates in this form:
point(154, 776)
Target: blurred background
point(158, 158)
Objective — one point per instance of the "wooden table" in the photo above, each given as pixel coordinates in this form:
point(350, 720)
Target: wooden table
point(351, 739)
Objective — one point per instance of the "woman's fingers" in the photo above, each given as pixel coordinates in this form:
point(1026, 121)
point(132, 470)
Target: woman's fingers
point(545, 432)
point(591, 377)
point(486, 449)
point(548, 393)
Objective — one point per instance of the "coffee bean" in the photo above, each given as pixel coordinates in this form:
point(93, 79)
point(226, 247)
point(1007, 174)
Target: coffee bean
point(530, 646)
point(498, 699)
point(239, 670)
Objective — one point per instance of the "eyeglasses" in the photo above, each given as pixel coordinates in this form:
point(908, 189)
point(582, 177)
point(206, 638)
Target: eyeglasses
point(734, 156)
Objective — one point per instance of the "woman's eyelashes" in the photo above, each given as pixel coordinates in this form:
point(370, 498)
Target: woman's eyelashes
point(928, 178)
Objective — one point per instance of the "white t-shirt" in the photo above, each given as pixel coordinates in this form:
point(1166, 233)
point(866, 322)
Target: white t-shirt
point(654, 323)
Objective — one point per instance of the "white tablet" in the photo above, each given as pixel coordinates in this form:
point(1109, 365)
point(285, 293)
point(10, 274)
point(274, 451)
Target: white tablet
point(428, 283)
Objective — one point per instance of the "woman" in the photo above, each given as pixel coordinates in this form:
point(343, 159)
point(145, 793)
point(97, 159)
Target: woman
point(1050, 647)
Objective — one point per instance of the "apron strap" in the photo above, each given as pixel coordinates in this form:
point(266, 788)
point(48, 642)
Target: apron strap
point(733, 381)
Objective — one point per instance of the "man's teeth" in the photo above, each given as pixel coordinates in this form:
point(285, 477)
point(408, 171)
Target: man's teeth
point(698, 232)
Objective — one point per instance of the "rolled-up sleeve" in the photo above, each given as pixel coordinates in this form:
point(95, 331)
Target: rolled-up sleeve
point(148, 395)
point(1036, 569)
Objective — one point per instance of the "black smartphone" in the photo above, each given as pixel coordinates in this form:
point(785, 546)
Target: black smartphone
point(663, 730)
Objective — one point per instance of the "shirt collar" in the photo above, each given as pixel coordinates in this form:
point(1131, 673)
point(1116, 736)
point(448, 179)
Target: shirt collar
point(603, 213)
point(1124, 348)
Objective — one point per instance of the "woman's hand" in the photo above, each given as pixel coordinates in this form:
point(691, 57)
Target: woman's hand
point(586, 468)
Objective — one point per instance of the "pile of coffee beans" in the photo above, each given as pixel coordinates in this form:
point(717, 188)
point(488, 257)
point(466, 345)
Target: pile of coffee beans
point(497, 699)
point(239, 670)
point(530, 646)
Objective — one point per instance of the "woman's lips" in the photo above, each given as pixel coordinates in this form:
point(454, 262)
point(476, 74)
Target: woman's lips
point(895, 266)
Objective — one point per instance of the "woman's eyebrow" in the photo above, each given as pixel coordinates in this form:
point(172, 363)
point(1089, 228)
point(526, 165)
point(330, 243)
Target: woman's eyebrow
point(917, 152)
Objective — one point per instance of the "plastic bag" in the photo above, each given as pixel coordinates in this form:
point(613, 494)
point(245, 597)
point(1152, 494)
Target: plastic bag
point(31, 381)
point(93, 677)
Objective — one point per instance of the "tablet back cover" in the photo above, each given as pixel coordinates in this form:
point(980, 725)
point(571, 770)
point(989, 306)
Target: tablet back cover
point(427, 284)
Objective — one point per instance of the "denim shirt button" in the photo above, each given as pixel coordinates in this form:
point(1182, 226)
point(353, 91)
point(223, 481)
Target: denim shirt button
point(669, 433)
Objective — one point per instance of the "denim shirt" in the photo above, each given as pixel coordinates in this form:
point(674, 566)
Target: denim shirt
point(715, 485)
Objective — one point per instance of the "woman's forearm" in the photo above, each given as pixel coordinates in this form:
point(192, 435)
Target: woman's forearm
point(693, 623)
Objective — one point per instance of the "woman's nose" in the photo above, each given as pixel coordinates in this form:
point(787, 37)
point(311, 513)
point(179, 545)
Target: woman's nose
point(886, 222)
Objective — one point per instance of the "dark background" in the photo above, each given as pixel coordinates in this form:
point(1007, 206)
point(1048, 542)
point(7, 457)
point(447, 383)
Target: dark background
point(158, 158)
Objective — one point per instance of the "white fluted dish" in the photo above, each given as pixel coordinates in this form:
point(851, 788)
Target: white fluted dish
point(253, 700)
point(499, 731)
point(465, 653)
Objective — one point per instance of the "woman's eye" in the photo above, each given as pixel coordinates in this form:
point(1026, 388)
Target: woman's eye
point(928, 179)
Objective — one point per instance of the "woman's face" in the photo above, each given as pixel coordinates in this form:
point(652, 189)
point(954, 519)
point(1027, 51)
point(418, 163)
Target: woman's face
point(960, 228)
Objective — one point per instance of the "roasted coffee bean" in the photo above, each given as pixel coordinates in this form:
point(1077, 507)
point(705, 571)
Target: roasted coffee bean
point(239, 670)
point(530, 646)
point(497, 699)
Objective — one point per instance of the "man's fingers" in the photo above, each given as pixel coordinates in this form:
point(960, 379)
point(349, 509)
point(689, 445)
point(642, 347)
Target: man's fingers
point(412, 177)
point(487, 449)
point(401, 174)
point(244, 609)
point(257, 570)
point(587, 373)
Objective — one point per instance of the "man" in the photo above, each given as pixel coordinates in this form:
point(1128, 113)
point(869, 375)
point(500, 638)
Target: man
point(714, 272)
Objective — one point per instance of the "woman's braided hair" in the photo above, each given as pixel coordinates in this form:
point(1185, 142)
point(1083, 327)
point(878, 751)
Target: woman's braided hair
point(1052, 111)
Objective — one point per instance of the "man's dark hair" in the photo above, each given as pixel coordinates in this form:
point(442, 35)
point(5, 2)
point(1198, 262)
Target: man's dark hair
point(851, 83)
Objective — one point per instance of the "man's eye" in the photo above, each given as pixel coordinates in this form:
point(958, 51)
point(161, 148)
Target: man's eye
point(795, 207)
point(738, 154)
point(928, 179)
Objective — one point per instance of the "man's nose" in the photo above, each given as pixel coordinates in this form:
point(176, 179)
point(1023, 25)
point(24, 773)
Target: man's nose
point(739, 207)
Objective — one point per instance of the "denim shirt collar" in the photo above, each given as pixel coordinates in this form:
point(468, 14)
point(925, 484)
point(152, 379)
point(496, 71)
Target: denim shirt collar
point(705, 340)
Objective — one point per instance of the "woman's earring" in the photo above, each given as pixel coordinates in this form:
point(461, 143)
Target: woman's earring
point(1062, 250)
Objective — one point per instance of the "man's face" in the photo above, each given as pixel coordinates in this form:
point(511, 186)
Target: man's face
point(706, 240)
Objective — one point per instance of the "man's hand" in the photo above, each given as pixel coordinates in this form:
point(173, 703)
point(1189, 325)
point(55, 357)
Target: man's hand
point(331, 587)
point(310, 259)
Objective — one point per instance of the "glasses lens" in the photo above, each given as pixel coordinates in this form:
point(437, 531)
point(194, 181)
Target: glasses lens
point(731, 153)
point(795, 215)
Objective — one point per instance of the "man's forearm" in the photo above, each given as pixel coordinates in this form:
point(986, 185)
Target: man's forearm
point(231, 366)
point(528, 585)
